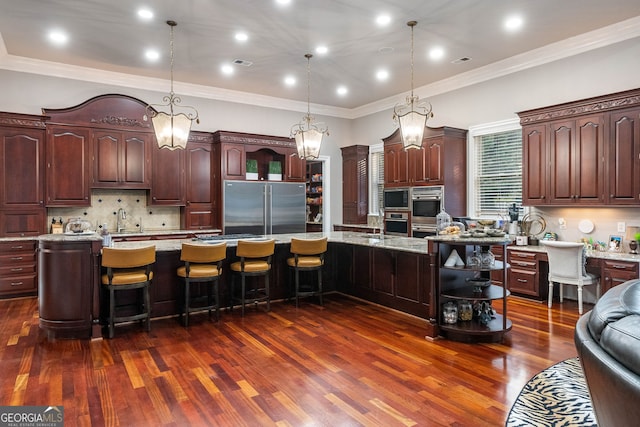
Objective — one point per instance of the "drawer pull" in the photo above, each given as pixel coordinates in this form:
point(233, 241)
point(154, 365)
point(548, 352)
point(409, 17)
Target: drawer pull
point(523, 264)
point(15, 270)
point(522, 280)
point(16, 283)
point(16, 258)
point(17, 247)
point(620, 267)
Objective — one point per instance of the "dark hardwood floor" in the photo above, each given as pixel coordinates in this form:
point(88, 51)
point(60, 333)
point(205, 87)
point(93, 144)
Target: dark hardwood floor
point(345, 364)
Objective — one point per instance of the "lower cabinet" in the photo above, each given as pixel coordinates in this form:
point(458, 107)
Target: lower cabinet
point(528, 276)
point(616, 272)
point(68, 288)
point(18, 271)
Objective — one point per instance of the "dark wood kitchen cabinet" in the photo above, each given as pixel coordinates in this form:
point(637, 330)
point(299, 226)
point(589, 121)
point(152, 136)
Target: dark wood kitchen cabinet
point(121, 159)
point(18, 268)
point(355, 184)
point(22, 193)
point(440, 161)
point(588, 149)
point(200, 209)
point(69, 168)
point(168, 181)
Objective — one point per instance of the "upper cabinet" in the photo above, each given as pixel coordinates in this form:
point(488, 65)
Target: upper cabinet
point(201, 175)
point(583, 153)
point(168, 181)
point(103, 143)
point(22, 193)
point(121, 159)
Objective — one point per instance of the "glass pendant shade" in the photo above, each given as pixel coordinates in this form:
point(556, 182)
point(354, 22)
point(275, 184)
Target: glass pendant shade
point(172, 131)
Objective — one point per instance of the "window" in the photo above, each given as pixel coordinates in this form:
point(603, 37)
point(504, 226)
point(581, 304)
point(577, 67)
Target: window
point(376, 178)
point(495, 173)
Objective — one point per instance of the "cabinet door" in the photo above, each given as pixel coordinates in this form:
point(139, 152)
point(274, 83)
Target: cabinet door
point(589, 161)
point(295, 168)
point(408, 279)
point(395, 166)
point(534, 165)
point(21, 223)
point(136, 153)
point(168, 178)
point(69, 168)
point(384, 268)
point(233, 161)
point(121, 160)
point(199, 212)
point(623, 185)
point(435, 154)
point(107, 158)
point(424, 165)
point(21, 168)
point(562, 155)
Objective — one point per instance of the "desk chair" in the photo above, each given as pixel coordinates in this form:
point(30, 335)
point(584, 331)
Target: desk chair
point(255, 260)
point(567, 267)
point(308, 255)
point(128, 269)
point(202, 264)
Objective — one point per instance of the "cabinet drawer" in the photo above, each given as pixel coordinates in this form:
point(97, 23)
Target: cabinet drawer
point(523, 281)
point(17, 270)
point(620, 265)
point(17, 284)
point(18, 258)
point(17, 246)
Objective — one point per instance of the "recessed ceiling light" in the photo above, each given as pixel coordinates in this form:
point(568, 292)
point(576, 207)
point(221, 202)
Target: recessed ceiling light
point(436, 53)
point(145, 14)
point(513, 23)
point(242, 37)
point(283, 2)
point(382, 75)
point(383, 20)
point(385, 50)
point(321, 50)
point(58, 37)
point(227, 69)
point(290, 81)
point(152, 55)
point(342, 90)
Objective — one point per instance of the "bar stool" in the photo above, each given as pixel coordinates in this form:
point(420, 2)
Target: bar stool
point(202, 264)
point(128, 269)
point(308, 255)
point(255, 260)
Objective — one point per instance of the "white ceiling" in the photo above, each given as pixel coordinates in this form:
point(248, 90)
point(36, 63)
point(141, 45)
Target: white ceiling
point(108, 35)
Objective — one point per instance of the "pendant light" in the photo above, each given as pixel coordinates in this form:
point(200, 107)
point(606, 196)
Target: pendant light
point(308, 134)
point(412, 116)
point(171, 128)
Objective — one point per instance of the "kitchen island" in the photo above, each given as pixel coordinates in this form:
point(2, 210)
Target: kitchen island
point(392, 271)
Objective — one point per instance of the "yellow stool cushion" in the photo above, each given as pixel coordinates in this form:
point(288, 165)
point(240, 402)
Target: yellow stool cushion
point(198, 271)
point(305, 261)
point(127, 277)
point(251, 266)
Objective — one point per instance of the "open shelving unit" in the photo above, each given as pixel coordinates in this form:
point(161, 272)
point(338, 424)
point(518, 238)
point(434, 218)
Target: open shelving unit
point(453, 284)
point(314, 196)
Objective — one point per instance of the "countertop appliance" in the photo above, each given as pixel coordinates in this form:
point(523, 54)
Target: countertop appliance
point(264, 207)
point(397, 199)
point(426, 204)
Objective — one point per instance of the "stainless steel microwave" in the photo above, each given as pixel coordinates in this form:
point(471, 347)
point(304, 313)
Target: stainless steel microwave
point(397, 198)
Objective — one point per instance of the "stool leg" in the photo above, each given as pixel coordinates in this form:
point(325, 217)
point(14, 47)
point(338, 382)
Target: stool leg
point(266, 291)
point(242, 296)
point(297, 284)
point(216, 295)
point(209, 298)
point(320, 285)
point(186, 302)
point(231, 292)
point(112, 309)
point(147, 302)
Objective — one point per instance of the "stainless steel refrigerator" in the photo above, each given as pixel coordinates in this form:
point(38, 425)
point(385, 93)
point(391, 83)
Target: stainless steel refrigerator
point(257, 207)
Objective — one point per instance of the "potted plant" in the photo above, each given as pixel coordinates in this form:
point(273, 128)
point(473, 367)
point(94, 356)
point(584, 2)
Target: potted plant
point(275, 171)
point(252, 169)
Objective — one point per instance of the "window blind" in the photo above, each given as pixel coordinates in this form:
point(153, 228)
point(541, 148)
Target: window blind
point(498, 172)
point(376, 187)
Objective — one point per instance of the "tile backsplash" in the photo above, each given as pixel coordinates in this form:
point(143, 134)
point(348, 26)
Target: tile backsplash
point(106, 203)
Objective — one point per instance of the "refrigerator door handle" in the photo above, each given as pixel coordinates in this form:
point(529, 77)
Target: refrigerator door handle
point(267, 210)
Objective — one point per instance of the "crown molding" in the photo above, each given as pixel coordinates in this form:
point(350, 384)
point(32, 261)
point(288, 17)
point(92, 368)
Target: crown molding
point(602, 37)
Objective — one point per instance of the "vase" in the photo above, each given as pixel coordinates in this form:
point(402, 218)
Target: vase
point(633, 247)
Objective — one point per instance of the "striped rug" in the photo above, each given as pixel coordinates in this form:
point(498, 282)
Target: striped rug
point(557, 396)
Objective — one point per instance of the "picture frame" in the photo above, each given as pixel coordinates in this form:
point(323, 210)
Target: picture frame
point(615, 243)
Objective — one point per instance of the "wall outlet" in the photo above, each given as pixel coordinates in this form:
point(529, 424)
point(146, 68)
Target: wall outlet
point(621, 227)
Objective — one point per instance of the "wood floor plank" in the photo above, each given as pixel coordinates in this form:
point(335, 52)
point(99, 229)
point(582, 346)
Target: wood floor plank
point(347, 363)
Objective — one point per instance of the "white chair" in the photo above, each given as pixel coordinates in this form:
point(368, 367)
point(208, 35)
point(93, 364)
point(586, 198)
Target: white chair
point(567, 267)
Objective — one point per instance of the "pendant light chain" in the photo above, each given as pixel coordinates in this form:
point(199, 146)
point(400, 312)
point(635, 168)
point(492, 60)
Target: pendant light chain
point(172, 24)
point(412, 24)
point(308, 56)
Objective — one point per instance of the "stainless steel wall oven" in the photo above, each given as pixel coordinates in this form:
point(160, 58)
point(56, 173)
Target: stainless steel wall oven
point(426, 204)
point(396, 223)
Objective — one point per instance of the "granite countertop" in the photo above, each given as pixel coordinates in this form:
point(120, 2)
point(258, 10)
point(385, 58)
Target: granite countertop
point(90, 235)
point(620, 256)
point(406, 244)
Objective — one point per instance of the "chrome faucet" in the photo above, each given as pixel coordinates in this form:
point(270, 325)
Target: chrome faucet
point(122, 215)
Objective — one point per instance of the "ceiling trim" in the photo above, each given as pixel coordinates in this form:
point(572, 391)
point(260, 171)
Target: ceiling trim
point(602, 37)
